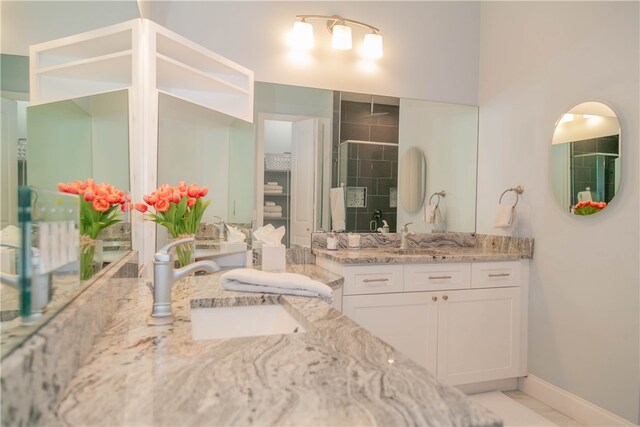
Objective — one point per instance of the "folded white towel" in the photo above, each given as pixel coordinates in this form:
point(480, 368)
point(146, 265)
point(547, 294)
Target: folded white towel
point(336, 197)
point(272, 208)
point(250, 280)
point(272, 183)
point(505, 216)
point(269, 203)
point(272, 191)
point(273, 214)
point(273, 187)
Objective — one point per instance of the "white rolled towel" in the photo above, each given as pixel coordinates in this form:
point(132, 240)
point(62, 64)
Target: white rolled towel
point(272, 183)
point(273, 214)
point(270, 204)
point(273, 209)
point(273, 187)
point(250, 280)
point(505, 216)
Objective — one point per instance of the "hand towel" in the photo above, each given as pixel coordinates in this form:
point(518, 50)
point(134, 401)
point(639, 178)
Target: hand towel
point(273, 209)
point(269, 203)
point(272, 183)
point(273, 214)
point(250, 280)
point(505, 216)
point(432, 214)
point(584, 196)
point(336, 196)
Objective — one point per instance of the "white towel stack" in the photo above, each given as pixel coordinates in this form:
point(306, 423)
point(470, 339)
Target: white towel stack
point(273, 214)
point(273, 209)
point(269, 203)
point(272, 188)
point(505, 216)
point(250, 280)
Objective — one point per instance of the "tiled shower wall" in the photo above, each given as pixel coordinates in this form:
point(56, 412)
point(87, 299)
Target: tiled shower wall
point(369, 165)
point(584, 168)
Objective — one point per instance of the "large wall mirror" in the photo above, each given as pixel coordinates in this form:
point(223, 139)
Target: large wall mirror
point(63, 141)
point(355, 144)
point(585, 158)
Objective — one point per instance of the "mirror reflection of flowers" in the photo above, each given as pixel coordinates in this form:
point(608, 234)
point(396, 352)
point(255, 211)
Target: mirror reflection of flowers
point(99, 208)
point(588, 207)
point(180, 210)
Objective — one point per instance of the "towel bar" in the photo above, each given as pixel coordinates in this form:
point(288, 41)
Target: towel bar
point(518, 190)
point(439, 194)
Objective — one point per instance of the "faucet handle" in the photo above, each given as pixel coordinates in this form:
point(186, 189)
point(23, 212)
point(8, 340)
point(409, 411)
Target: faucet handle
point(163, 254)
point(405, 227)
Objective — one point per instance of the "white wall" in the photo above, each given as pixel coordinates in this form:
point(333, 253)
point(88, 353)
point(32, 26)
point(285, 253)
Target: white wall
point(9, 163)
point(430, 48)
point(277, 136)
point(539, 59)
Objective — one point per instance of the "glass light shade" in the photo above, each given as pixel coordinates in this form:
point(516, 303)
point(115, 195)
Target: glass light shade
point(341, 38)
point(302, 37)
point(372, 46)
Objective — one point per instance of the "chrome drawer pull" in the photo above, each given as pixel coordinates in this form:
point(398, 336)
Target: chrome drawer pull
point(374, 280)
point(499, 275)
point(439, 277)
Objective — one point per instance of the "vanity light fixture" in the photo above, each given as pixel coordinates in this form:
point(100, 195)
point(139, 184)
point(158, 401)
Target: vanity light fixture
point(340, 34)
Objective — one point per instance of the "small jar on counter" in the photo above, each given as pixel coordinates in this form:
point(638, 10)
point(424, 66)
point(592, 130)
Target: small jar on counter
point(332, 242)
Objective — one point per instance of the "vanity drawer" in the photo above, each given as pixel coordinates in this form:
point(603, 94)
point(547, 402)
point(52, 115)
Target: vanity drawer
point(372, 279)
point(495, 274)
point(436, 277)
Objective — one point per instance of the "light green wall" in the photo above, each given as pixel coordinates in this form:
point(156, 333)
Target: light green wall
point(295, 100)
point(59, 144)
point(14, 73)
point(241, 171)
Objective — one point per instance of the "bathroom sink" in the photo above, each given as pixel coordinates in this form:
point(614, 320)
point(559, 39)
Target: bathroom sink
point(244, 321)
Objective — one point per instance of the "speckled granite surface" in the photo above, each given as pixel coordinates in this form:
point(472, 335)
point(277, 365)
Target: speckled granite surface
point(35, 374)
point(336, 373)
point(383, 248)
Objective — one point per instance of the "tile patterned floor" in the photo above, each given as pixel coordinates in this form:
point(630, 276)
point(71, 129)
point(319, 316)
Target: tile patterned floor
point(519, 409)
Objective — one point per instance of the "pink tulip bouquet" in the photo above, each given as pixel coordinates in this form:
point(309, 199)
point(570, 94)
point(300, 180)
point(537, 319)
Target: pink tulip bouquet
point(588, 207)
point(180, 210)
point(99, 207)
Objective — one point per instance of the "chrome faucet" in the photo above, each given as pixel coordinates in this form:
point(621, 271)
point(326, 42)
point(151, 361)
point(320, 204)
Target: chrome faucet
point(165, 276)
point(222, 229)
point(404, 232)
point(41, 285)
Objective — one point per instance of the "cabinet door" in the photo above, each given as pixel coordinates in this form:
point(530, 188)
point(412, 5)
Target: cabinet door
point(406, 321)
point(478, 335)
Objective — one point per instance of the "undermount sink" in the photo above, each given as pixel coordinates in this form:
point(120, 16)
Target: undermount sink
point(243, 321)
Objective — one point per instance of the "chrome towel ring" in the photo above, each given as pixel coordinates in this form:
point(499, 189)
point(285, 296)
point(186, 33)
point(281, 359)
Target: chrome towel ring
point(439, 194)
point(518, 190)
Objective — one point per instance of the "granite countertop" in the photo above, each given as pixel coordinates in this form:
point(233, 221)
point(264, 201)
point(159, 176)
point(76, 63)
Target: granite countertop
point(387, 255)
point(335, 373)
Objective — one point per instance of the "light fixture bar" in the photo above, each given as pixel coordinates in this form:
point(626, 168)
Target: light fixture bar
point(335, 19)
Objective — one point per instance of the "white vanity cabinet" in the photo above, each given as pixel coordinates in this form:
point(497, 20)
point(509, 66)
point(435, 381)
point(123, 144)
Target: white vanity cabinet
point(465, 322)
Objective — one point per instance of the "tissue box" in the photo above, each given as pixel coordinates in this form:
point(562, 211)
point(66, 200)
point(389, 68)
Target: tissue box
point(273, 258)
point(233, 247)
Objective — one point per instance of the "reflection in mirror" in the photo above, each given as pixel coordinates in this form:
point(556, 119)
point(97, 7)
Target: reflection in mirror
point(447, 134)
point(367, 159)
point(62, 142)
point(204, 147)
point(585, 155)
point(412, 177)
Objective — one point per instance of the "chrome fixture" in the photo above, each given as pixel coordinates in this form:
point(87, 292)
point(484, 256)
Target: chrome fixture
point(518, 190)
point(340, 34)
point(165, 276)
point(41, 285)
point(404, 232)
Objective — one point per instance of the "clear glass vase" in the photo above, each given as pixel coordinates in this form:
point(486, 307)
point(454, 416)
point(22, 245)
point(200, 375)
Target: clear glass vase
point(90, 257)
point(185, 254)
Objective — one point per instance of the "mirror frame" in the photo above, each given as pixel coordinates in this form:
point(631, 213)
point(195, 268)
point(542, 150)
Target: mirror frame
point(419, 183)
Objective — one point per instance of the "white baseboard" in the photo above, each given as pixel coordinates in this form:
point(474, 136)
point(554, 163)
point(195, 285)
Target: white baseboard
point(569, 404)
point(496, 385)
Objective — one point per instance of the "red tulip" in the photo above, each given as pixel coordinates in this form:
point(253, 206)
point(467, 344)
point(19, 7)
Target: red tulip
point(176, 197)
point(141, 207)
point(204, 190)
point(194, 191)
point(89, 195)
point(100, 204)
point(191, 201)
point(150, 199)
point(63, 187)
point(163, 205)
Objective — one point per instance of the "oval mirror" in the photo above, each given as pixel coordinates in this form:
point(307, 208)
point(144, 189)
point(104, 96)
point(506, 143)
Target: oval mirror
point(413, 173)
point(585, 158)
